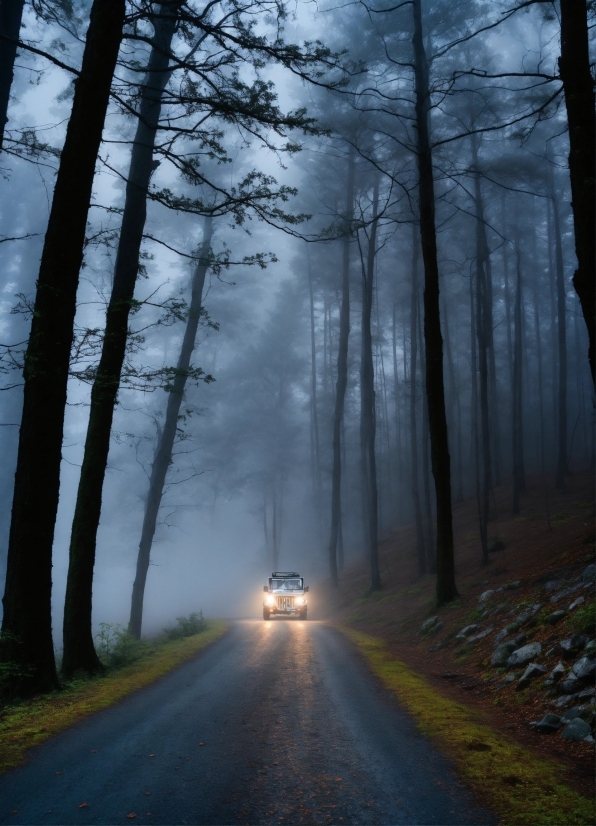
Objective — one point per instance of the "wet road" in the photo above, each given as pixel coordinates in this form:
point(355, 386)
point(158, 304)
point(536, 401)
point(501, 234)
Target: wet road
point(276, 723)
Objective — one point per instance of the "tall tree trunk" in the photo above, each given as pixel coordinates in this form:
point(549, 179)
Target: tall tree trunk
point(11, 14)
point(79, 651)
point(163, 454)
point(455, 405)
point(314, 407)
point(367, 380)
point(483, 325)
point(517, 412)
point(429, 531)
point(506, 291)
point(561, 469)
point(420, 550)
point(475, 451)
point(574, 67)
point(27, 623)
point(441, 462)
point(342, 373)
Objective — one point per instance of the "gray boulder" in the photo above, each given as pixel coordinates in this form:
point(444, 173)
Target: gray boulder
point(467, 631)
point(573, 645)
point(524, 655)
point(570, 685)
point(589, 575)
point(571, 714)
point(548, 725)
point(557, 673)
point(502, 654)
point(556, 616)
point(576, 603)
point(577, 729)
point(481, 634)
point(585, 669)
point(590, 649)
point(485, 595)
point(532, 671)
point(428, 624)
point(500, 636)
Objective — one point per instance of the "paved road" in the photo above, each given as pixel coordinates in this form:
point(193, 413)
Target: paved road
point(276, 723)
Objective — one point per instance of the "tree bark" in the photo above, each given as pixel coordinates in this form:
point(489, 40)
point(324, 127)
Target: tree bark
point(574, 67)
point(517, 412)
point(11, 14)
point(368, 428)
point(79, 651)
point(27, 624)
point(420, 552)
point(342, 374)
point(440, 459)
point(561, 468)
point(163, 454)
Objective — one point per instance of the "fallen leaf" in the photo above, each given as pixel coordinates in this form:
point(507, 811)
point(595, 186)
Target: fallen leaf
point(131, 815)
point(201, 744)
point(147, 793)
point(14, 811)
point(151, 755)
point(93, 751)
point(57, 772)
point(83, 806)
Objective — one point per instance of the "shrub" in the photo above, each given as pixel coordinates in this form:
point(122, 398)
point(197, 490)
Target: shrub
point(186, 626)
point(584, 619)
point(116, 647)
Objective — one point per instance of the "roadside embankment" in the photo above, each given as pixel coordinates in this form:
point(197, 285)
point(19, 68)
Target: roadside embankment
point(29, 723)
point(521, 787)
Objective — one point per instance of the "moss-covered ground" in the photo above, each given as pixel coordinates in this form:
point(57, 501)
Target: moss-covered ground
point(28, 724)
point(519, 786)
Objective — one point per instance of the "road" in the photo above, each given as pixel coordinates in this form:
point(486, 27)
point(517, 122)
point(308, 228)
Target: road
point(276, 723)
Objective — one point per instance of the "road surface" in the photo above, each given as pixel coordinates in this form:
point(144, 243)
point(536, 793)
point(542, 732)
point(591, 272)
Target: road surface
point(276, 723)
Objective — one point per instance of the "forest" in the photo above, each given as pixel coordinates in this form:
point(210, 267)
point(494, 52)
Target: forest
point(278, 278)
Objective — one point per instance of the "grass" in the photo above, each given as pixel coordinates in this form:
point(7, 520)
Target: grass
point(28, 724)
point(520, 787)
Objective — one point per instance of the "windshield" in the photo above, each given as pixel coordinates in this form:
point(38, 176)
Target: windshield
point(287, 584)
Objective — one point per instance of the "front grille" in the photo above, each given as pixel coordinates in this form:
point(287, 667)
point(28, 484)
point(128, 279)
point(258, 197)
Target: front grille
point(285, 602)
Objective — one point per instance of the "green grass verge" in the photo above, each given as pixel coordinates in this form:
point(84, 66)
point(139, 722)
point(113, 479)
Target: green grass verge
point(30, 723)
point(520, 787)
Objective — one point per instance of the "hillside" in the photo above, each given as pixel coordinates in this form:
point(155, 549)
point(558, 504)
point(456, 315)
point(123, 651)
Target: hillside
point(533, 581)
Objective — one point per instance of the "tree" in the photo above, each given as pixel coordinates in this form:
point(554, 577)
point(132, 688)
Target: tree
point(435, 392)
point(167, 435)
point(578, 86)
point(342, 373)
point(26, 639)
point(79, 651)
point(11, 14)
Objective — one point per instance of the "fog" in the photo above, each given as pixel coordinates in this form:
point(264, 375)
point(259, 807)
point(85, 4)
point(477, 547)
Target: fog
point(250, 483)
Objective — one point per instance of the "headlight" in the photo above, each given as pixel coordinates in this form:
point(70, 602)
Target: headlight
point(270, 600)
point(300, 600)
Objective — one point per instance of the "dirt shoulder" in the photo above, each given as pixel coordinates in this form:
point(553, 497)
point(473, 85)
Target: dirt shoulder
point(536, 567)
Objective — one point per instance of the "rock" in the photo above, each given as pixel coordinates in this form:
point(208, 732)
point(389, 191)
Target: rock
point(590, 649)
point(552, 585)
point(438, 626)
point(502, 654)
point(439, 645)
point(485, 595)
point(549, 724)
point(561, 702)
point(584, 669)
point(520, 639)
point(587, 695)
point(467, 631)
point(524, 655)
point(570, 685)
point(428, 624)
point(555, 617)
point(532, 671)
point(577, 729)
point(571, 714)
point(566, 592)
point(573, 645)
point(589, 575)
point(482, 634)
point(576, 603)
point(500, 636)
point(557, 672)
point(509, 678)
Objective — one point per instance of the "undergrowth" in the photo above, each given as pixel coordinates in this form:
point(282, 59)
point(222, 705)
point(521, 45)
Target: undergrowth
point(520, 787)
